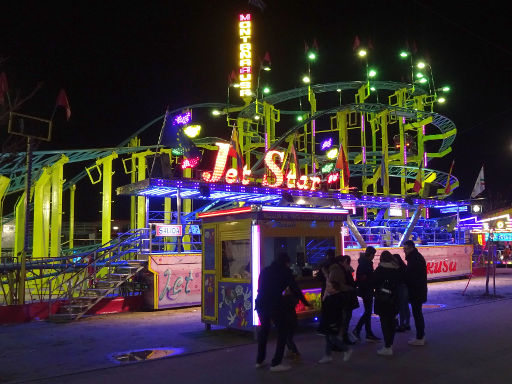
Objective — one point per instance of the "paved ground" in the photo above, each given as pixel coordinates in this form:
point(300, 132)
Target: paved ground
point(469, 340)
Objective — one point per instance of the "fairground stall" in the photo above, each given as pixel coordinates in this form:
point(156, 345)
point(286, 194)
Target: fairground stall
point(239, 242)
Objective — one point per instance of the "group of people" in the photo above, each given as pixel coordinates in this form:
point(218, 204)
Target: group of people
point(387, 291)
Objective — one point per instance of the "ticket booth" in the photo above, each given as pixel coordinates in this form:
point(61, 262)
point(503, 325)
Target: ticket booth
point(239, 242)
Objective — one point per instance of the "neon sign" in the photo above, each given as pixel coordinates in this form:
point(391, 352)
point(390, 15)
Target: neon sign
point(168, 230)
point(275, 180)
point(245, 34)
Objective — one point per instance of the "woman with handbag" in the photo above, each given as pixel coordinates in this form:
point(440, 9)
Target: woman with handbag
point(388, 276)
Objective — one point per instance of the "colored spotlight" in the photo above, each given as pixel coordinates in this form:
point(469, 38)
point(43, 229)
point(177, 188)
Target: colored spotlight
point(215, 112)
point(372, 73)
point(441, 100)
point(192, 130)
point(404, 54)
point(362, 53)
point(421, 65)
point(306, 79)
point(332, 154)
point(312, 56)
point(266, 90)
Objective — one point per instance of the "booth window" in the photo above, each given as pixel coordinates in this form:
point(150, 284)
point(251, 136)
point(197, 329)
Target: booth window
point(236, 259)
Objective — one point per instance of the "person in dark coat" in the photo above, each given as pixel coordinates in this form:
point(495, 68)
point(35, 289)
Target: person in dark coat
point(387, 278)
point(416, 280)
point(272, 281)
point(403, 299)
point(364, 282)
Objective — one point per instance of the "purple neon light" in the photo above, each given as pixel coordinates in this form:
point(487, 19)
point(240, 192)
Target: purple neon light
point(255, 268)
point(182, 119)
point(326, 144)
point(364, 155)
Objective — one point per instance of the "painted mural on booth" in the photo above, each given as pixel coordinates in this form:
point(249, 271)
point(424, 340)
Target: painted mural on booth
point(235, 305)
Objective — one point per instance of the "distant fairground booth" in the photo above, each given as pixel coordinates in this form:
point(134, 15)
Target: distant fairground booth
point(336, 166)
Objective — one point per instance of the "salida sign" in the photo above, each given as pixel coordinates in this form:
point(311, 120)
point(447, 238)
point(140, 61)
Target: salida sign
point(273, 159)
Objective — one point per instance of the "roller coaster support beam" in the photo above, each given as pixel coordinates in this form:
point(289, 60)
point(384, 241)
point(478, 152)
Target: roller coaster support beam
point(383, 117)
point(72, 190)
point(57, 181)
point(140, 160)
point(42, 204)
point(341, 125)
point(355, 232)
point(134, 142)
point(4, 184)
point(362, 94)
point(312, 103)
point(410, 226)
point(106, 198)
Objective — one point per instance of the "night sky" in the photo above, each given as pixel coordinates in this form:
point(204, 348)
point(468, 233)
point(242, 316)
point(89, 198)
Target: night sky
point(122, 64)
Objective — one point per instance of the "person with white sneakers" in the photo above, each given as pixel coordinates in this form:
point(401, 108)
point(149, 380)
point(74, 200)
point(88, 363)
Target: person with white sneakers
point(416, 280)
point(388, 276)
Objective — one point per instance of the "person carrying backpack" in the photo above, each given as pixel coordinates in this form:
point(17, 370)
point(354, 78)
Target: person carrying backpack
point(388, 276)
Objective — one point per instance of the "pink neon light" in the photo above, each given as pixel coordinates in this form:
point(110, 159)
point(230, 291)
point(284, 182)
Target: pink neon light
point(220, 164)
point(290, 180)
point(426, 213)
point(272, 166)
point(337, 211)
point(231, 175)
point(365, 213)
point(190, 163)
point(225, 212)
point(362, 122)
point(315, 180)
point(255, 269)
point(182, 119)
point(364, 155)
point(246, 17)
point(303, 183)
point(425, 159)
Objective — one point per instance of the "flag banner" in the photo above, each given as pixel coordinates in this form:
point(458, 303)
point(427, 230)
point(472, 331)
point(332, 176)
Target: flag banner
point(62, 101)
point(418, 181)
point(448, 187)
point(356, 43)
point(4, 87)
point(236, 152)
point(342, 164)
point(479, 184)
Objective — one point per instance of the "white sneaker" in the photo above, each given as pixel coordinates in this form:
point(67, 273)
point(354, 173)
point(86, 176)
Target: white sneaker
point(347, 354)
point(417, 342)
point(325, 359)
point(280, 368)
point(260, 365)
point(385, 351)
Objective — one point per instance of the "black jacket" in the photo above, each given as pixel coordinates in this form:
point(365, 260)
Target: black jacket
point(272, 282)
point(393, 275)
point(364, 276)
point(416, 277)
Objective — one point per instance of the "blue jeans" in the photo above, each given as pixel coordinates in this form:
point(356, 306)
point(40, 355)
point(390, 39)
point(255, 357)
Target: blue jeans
point(419, 321)
point(332, 341)
point(403, 306)
point(366, 318)
point(266, 320)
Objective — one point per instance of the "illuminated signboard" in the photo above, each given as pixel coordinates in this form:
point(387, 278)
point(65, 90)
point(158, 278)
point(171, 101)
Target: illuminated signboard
point(462, 208)
point(500, 236)
point(168, 230)
point(245, 33)
point(271, 161)
point(395, 210)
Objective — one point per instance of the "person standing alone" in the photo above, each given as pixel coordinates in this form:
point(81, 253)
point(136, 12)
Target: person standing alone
point(364, 282)
point(416, 280)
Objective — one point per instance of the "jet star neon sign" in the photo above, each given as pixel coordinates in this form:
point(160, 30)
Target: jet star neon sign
point(273, 161)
